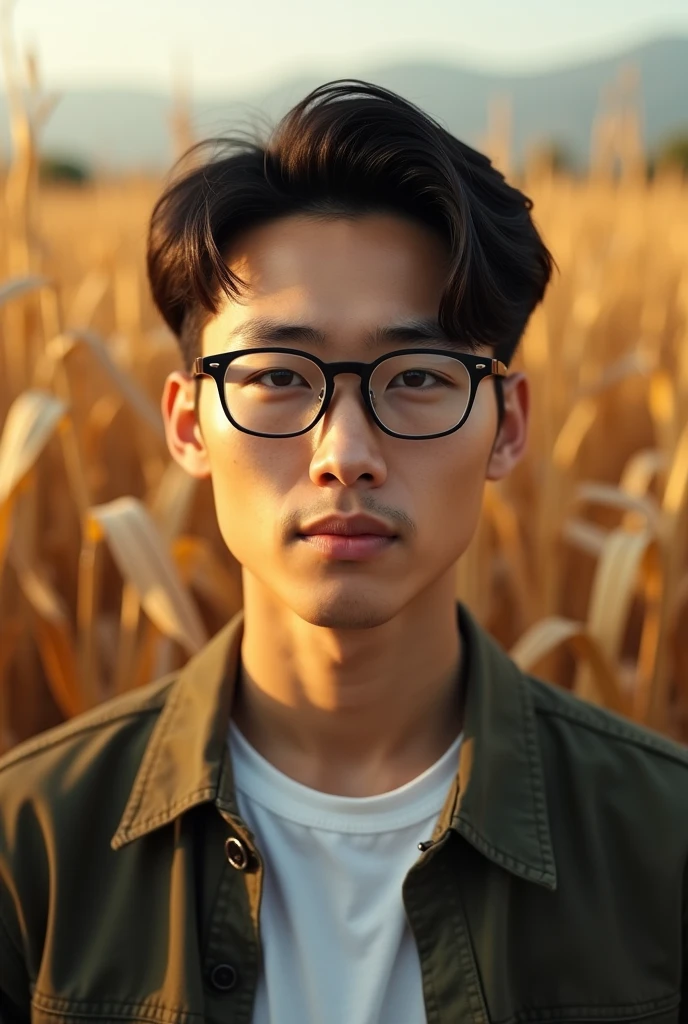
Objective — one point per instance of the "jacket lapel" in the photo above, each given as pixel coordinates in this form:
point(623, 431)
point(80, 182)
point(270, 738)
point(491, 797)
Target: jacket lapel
point(186, 761)
point(501, 805)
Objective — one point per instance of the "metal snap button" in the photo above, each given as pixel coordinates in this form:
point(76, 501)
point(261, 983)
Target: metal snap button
point(237, 853)
point(223, 977)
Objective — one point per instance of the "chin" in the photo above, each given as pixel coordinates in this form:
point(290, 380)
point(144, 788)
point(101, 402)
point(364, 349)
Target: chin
point(353, 607)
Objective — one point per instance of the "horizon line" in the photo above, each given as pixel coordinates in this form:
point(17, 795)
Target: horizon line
point(489, 69)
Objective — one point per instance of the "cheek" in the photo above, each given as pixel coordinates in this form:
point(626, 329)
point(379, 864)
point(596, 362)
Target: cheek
point(453, 486)
point(250, 479)
point(447, 490)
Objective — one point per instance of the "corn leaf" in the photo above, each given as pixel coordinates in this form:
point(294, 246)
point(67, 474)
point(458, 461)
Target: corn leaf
point(145, 561)
point(32, 420)
point(547, 635)
point(61, 347)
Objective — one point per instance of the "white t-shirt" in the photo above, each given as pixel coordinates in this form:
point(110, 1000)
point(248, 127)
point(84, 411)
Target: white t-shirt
point(337, 948)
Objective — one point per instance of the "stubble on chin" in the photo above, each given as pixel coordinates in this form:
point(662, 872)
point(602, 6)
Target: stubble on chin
point(344, 611)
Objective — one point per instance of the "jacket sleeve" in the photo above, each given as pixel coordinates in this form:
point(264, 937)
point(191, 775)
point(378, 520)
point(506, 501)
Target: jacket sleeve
point(15, 983)
point(15, 996)
point(683, 1008)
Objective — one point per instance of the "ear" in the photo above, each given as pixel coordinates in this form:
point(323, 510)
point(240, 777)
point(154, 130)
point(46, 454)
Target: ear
point(182, 428)
point(512, 438)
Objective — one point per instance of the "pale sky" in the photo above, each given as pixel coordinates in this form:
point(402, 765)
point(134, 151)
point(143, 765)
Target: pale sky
point(252, 43)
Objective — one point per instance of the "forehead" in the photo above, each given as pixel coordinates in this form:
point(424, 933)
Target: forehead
point(339, 274)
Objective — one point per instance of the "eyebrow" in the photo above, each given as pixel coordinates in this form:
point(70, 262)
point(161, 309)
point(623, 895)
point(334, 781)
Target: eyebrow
point(411, 331)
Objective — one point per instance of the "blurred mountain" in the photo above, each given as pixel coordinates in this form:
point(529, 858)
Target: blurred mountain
point(130, 129)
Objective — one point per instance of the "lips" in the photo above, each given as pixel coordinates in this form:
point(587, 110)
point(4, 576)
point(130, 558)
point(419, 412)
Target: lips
point(348, 526)
point(357, 538)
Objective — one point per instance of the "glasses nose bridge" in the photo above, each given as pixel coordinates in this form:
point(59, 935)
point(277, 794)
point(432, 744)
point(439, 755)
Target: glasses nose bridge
point(358, 369)
point(334, 370)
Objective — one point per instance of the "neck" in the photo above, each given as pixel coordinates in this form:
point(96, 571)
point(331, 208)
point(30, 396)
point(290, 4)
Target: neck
point(353, 712)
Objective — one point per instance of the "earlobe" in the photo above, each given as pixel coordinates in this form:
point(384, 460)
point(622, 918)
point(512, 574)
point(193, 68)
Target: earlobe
point(500, 461)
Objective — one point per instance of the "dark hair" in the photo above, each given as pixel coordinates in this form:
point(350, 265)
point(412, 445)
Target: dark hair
point(348, 148)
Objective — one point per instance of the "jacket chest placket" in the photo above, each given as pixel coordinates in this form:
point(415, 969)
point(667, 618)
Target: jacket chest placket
point(231, 961)
point(451, 982)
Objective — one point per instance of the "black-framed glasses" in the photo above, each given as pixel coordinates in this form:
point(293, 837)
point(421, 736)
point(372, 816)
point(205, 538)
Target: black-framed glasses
point(414, 394)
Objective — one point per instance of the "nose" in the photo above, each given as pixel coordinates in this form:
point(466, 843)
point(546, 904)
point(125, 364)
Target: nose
point(347, 441)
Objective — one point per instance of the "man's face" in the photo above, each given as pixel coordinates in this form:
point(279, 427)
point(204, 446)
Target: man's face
point(346, 278)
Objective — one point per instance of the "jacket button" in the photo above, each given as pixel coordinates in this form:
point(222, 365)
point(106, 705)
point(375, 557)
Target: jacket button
point(223, 977)
point(237, 853)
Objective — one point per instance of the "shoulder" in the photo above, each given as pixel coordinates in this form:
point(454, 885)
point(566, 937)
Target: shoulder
point(606, 747)
point(83, 748)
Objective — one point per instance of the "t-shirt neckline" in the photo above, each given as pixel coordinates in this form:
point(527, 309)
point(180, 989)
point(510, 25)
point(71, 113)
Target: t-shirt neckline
point(410, 804)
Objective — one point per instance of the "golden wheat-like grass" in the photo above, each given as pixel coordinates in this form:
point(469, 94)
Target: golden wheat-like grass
point(112, 568)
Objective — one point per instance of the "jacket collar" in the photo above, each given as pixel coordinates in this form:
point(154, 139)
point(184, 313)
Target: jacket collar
point(498, 802)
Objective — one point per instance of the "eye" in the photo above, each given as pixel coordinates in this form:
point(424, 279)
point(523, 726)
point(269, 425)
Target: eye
point(280, 378)
point(419, 380)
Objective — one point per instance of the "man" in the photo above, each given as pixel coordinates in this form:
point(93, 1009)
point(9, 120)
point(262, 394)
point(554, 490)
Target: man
point(350, 807)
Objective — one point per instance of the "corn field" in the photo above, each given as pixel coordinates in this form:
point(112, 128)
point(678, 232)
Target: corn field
point(112, 568)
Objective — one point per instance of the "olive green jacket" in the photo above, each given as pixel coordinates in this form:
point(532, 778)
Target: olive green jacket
point(553, 888)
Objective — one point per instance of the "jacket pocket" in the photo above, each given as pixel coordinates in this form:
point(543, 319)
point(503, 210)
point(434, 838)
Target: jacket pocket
point(53, 1010)
point(658, 1011)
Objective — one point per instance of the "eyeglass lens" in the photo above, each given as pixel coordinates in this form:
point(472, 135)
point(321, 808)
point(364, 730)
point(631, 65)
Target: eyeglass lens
point(415, 394)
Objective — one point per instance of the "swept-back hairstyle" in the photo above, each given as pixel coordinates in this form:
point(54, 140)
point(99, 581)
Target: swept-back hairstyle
point(351, 148)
